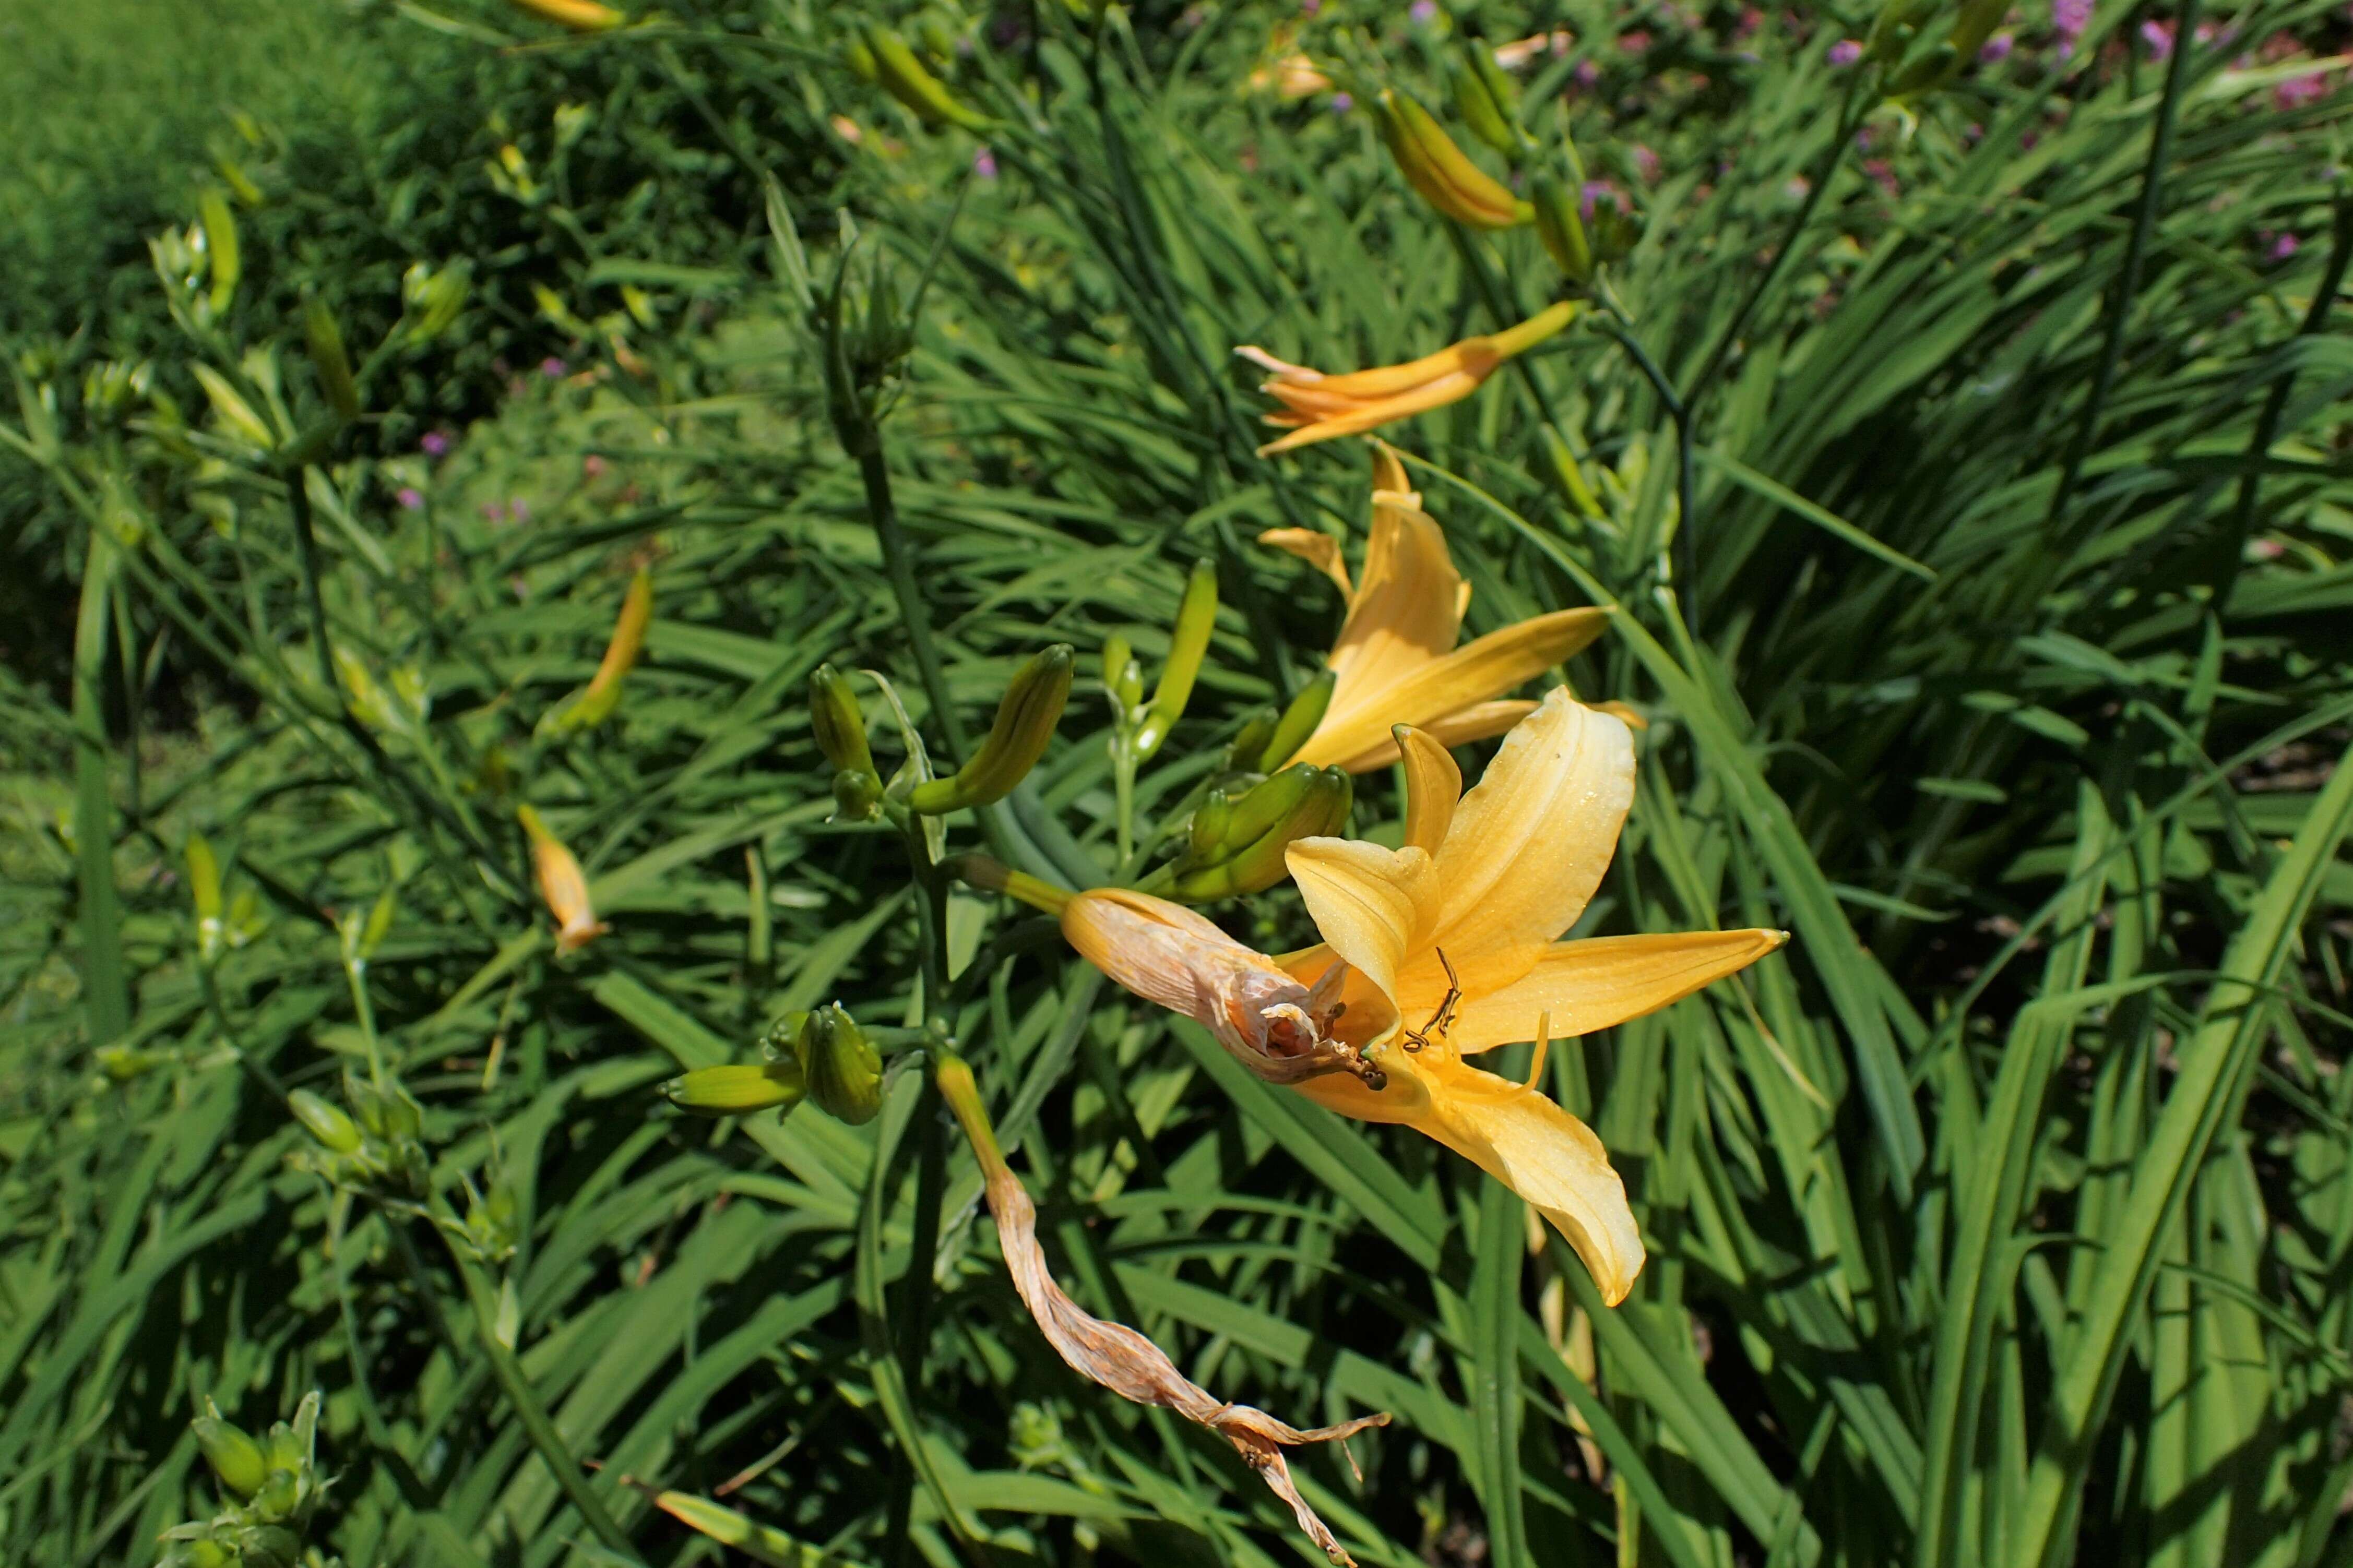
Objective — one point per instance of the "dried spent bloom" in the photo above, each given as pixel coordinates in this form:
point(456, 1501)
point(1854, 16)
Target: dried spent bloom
point(1320, 407)
point(1396, 662)
point(1448, 947)
point(1115, 1355)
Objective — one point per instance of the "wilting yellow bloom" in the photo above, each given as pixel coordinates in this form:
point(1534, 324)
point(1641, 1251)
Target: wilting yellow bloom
point(1396, 662)
point(596, 702)
point(562, 883)
point(1443, 948)
point(1319, 406)
point(1292, 76)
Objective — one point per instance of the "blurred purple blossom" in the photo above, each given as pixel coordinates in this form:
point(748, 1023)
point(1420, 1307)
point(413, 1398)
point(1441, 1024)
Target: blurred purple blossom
point(493, 511)
point(1586, 73)
point(2283, 246)
point(2068, 19)
point(1424, 11)
point(1646, 162)
point(1845, 52)
point(518, 510)
point(1342, 103)
point(592, 465)
point(552, 368)
point(411, 499)
point(1995, 50)
point(983, 163)
point(434, 443)
point(1634, 43)
point(2157, 39)
point(2299, 90)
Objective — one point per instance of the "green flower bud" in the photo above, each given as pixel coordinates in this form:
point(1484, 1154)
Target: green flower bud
point(268, 1546)
point(1487, 99)
point(1025, 722)
point(1560, 228)
point(861, 61)
point(1302, 802)
point(1121, 677)
point(855, 795)
point(1210, 820)
point(324, 1121)
point(902, 76)
point(1248, 754)
point(843, 1070)
point(280, 1495)
point(1298, 721)
point(325, 340)
point(236, 1458)
point(838, 721)
point(201, 1554)
point(205, 887)
point(738, 1089)
point(1196, 617)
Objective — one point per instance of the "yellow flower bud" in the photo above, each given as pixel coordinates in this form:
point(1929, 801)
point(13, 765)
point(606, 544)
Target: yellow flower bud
point(838, 723)
point(562, 883)
point(1196, 617)
point(902, 76)
point(1446, 178)
point(598, 701)
point(580, 16)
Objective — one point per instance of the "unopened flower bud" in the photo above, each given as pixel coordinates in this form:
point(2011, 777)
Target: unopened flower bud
point(1210, 820)
point(268, 1546)
point(597, 702)
point(1188, 644)
point(1121, 675)
point(205, 887)
point(1025, 722)
point(1248, 754)
point(1298, 721)
point(562, 883)
point(324, 1121)
point(1487, 99)
point(843, 1070)
point(1302, 802)
point(855, 795)
point(280, 1495)
point(902, 76)
point(1446, 178)
point(838, 721)
point(236, 1458)
point(738, 1089)
point(1560, 228)
point(325, 342)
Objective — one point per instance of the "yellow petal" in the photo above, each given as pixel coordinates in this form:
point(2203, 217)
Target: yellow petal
point(1320, 550)
point(1401, 620)
point(1473, 673)
point(1476, 722)
point(1546, 1155)
point(1604, 981)
point(1373, 905)
point(1369, 416)
point(1530, 844)
point(1433, 787)
point(1389, 481)
point(1389, 380)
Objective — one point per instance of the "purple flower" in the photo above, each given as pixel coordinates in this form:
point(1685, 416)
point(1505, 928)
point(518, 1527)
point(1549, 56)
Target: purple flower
point(411, 499)
point(1586, 73)
point(2068, 19)
point(2299, 90)
point(1424, 11)
point(2157, 36)
point(493, 510)
point(2285, 245)
point(518, 509)
point(1309, 7)
point(1342, 103)
point(1646, 162)
point(1995, 50)
point(435, 444)
point(552, 368)
point(1845, 52)
point(1634, 43)
point(983, 163)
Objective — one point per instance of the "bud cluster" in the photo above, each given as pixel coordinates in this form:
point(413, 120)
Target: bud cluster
point(271, 1486)
point(821, 1056)
point(1235, 840)
point(377, 1147)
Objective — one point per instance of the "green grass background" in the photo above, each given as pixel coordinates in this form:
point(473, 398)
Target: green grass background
point(2004, 1219)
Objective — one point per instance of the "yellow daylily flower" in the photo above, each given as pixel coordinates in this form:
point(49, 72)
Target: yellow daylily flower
point(1319, 407)
point(1441, 949)
point(1396, 662)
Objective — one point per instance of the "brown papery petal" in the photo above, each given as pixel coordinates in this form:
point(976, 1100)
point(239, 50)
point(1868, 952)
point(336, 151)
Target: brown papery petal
point(1124, 1360)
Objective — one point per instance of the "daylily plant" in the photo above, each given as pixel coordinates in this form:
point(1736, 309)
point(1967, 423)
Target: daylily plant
point(1396, 662)
point(1320, 407)
point(1439, 949)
